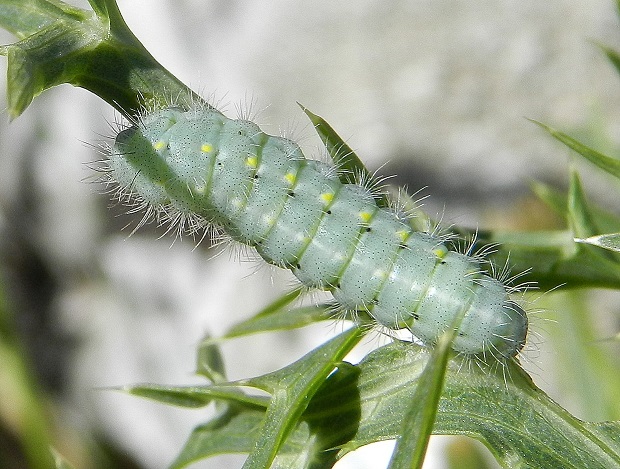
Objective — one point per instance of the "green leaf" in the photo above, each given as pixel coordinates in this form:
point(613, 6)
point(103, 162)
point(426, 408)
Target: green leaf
point(580, 219)
point(291, 389)
point(235, 432)
point(500, 407)
point(277, 316)
point(25, 17)
point(172, 396)
point(551, 259)
point(357, 405)
point(232, 432)
point(554, 198)
point(610, 241)
point(209, 362)
point(352, 170)
point(282, 320)
point(606, 163)
point(196, 396)
point(94, 50)
point(558, 201)
point(412, 441)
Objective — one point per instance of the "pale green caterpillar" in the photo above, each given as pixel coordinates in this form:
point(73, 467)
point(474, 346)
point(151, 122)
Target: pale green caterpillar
point(297, 214)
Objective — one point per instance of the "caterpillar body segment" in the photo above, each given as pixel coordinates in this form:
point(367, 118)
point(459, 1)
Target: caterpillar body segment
point(298, 215)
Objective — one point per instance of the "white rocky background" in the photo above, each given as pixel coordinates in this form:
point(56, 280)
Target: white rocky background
point(437, 89)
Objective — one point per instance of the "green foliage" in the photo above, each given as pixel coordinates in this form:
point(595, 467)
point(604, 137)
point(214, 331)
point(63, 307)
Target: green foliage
point(320, 407)
point(94, 50)
point(502, 407)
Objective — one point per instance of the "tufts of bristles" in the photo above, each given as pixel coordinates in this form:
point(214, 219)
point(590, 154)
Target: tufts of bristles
point(374, 183)
point(248, 109)
point(403, 206)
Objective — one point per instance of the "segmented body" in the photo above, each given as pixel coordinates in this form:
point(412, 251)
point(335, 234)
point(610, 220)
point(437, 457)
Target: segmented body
point(298, 215)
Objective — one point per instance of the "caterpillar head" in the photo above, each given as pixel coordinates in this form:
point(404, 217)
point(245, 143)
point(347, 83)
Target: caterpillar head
point(161, 162)
point(500, 327)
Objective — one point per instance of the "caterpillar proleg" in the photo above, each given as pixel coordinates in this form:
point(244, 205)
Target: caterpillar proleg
point(298, 215)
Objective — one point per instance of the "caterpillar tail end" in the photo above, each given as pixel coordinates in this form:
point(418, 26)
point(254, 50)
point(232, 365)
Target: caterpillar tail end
point(510, 334)
point(500, 331)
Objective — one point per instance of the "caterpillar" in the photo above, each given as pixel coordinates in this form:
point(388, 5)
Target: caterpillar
point(198, 165)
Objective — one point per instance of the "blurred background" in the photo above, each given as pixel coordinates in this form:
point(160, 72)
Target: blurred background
point(434, 92)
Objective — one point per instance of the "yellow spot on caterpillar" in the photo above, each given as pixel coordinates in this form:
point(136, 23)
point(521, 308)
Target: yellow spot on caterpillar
point(206, 148)
point(365, 216)
point(440, 252)
point(402, 235)
point(236, 203)
point(327, 197)
point(251, 162)
point(290, 178)
point(200, 189)
point(159, 145)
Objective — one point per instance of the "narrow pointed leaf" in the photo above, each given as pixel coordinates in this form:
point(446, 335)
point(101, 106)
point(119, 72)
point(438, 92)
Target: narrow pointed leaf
point(579, 217)
point(196, 396)
point(277, 316)
point(281, 320)
point(551, 258)
point(606, 163)
point(554, 198)
point(419, 420)
point(352, 169)
point(610, 241)
point(558, 201)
